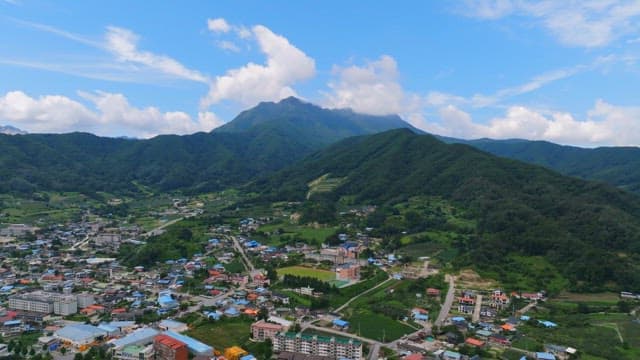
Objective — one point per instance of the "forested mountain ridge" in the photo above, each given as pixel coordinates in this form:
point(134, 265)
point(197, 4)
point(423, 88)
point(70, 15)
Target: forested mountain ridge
point(618, 166)
point(589, 231)
point(260, 140)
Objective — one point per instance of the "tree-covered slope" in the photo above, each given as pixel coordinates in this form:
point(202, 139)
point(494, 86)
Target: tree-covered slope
point(590, 231)
point(259, 141)
point(618, 166)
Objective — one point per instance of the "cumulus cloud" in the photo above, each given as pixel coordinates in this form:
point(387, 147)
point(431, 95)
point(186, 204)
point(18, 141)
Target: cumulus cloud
point(218, 25)
point(573, 22)
point(123, 43)
point(372, 88)
point(110, 115)
point(605, 124)
point(285, 66)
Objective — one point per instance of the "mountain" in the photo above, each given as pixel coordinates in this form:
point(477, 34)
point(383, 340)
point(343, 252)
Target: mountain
point(261, 140)
point(10, 130)
point(618, 166)
point(308, 123)
point(588, 232)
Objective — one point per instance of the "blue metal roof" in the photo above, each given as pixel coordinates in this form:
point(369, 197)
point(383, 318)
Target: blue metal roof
point(193, 344)
point(140, 335)
point(545, 356)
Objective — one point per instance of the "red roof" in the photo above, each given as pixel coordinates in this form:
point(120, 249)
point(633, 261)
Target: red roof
point(474, 342)
point(169, 341)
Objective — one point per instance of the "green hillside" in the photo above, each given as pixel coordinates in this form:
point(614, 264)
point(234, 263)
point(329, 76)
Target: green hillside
point(618, 166)
point(588, 231)
point(259, 141)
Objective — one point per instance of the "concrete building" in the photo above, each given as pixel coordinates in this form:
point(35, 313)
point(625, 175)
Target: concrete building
point(135, 352)
point(31, 304)
point(45, 303)
point(335, 347)
point(168, 348)
point(65, 306)
point(263, 330)
point(85, 300)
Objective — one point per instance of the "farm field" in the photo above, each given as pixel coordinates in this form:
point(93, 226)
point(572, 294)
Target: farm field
point(323, 275)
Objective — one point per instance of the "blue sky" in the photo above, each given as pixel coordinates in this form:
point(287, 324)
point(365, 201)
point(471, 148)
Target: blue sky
point(564, 71)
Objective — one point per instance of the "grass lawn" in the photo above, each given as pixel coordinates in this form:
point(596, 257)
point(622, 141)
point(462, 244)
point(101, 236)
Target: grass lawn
point(222, 334)
point(323, 275)
point(378, 327)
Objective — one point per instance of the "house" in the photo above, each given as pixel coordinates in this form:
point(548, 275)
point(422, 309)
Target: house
point(433, 292)
point(466, 304)
point(340, 324)
point(474, 342)
point(499, 340)
point(499, 300)
point(545, 356)
point(547, 323)
point(451, 355)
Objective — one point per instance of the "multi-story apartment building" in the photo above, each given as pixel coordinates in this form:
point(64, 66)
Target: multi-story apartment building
point(335, 347)
point(262, 330)
point(45, 303)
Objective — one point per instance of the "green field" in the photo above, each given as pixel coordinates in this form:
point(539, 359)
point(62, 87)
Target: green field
point(222, 334)
point(292, 232)
point(322, 275)
point(378, 327)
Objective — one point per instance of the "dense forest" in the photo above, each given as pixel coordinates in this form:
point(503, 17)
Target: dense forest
point(259, 141)
point(618, 166)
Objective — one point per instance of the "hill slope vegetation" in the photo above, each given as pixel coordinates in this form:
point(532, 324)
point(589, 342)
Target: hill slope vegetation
point(259, 141)
point(589, 231)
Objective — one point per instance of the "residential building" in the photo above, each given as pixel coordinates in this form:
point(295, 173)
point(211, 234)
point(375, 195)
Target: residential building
point(45, 302)
point(499, 300)
point(262, 330)
point(135, 352)
point(168, 348)
point(85, 300)
point(335, 347)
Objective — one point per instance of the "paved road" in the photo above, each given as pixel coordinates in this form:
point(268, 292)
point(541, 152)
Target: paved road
point(373, 353)
point(240, 249)
point(168, 223)
point(476, 310)
point(364, 293)
point(527, 308)
point(446, 307)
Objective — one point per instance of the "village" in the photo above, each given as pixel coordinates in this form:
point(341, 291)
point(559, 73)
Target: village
point(64, 294)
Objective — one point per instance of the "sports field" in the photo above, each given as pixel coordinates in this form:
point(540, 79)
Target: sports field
point(323, 275)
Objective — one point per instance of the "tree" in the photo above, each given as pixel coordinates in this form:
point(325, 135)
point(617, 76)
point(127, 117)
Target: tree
point(263, 313)
point(63, 350)
point(78, 356)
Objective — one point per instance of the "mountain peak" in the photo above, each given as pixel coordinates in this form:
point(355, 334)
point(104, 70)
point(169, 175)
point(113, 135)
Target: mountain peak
point(10, 130)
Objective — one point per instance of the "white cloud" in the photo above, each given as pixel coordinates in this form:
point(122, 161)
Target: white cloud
point(228, 45)
point(285, 66)
point(111, 115)
point(439, 99)
point(591, 23)
point(218, 25)
point(123, 44)
point(372, 88)
point(51, 113)
point(605, 124)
